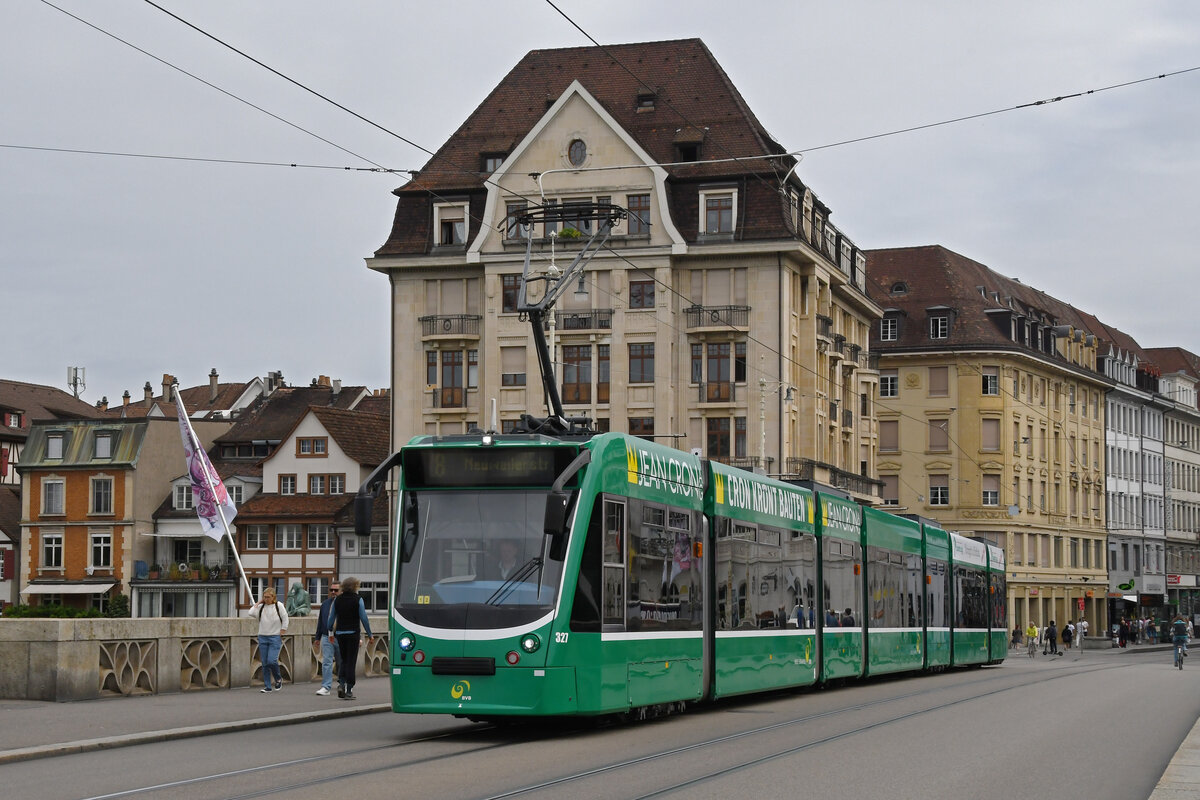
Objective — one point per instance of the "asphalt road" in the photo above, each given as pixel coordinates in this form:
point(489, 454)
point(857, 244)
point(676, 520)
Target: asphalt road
point(1064, 728)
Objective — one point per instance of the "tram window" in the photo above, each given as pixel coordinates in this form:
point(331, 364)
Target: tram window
point(585, 611)
point(665, 589)
point(970, 591)
point(843, 588)
point(614, 564)
point(938, 592)
point(799, 565)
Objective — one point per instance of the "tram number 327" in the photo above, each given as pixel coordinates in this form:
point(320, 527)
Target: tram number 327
point(560, 637)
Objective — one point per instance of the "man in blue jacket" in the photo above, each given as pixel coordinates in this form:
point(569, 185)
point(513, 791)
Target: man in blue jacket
point(329, 650)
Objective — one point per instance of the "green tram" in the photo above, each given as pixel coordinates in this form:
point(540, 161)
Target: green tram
point(536, 575)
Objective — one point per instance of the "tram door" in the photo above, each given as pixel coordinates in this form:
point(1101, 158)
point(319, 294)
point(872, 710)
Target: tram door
point(614, 563)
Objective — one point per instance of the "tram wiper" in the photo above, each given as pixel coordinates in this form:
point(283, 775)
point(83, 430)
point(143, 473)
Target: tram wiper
point(509, 586)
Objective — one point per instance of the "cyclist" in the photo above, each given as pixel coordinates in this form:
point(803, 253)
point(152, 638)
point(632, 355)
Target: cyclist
point(1179, 637)
point(1031, 635)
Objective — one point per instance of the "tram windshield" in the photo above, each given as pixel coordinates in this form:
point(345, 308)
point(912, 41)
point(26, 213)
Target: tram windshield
point(480, 559)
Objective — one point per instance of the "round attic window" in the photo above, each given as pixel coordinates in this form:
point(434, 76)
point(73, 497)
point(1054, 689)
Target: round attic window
point(900, 288)
point(577, 152)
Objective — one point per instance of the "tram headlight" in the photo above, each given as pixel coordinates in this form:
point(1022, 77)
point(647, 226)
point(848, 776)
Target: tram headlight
point(406, 642)
point(530, 643)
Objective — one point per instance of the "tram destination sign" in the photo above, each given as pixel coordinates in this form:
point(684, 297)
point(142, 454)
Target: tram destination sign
point(485, 466)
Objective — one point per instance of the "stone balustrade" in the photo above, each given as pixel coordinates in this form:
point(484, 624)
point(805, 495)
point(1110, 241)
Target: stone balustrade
point(83, 659)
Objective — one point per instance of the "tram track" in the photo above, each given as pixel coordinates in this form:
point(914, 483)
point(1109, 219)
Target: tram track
point(466, 735)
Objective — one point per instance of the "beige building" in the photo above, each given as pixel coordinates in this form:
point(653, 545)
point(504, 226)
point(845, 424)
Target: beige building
point(725, 311)
point(992, 422)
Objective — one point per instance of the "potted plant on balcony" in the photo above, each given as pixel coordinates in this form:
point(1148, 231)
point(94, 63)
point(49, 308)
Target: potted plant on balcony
point(173, 572)
point(154, 572)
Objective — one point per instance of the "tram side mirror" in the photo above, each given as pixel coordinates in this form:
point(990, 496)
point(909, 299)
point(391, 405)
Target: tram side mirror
point(364, 512)
point(558, 505)
point(408, 529)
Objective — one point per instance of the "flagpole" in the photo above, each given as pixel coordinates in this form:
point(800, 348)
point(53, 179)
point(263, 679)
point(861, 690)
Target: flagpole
point(212, 488)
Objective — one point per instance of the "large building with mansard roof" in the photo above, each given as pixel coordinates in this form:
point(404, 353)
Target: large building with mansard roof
point(726, 311)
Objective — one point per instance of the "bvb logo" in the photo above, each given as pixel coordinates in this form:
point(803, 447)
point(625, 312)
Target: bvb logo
point(459, 690)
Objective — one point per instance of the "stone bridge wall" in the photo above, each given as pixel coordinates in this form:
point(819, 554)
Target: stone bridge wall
point(82, 659)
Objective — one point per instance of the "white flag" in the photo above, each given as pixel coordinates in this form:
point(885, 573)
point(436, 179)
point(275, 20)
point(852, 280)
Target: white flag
point(209, 497)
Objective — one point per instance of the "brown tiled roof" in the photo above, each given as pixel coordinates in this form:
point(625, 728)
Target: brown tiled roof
point(694, 101)
point(1175, 359)
point(364, 437)
point(10, 513)
point(933, 276)
point(276, 506)
point(36, 401)
point(273, 417)
point(376, 404)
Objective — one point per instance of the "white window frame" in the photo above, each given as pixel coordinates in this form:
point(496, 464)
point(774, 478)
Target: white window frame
point(183, 497)
point(889, 329)
point(95, 481)
point(939, 327)
point(339, 481)
point(990, 383)
point(60, 507)
point(287, 536)
point(939, 495)
point(320, 537)
point(52, 541)
point(235, 491)
point(889, 385)
point(287, 485)
point(104, 540)
point(453, 212)
point(107, 438)
point(316, 484)
point(54, 446)
point(732, 192)
point(258, 537)
point(374, 545)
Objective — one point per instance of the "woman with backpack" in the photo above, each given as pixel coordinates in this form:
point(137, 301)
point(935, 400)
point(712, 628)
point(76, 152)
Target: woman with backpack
point(272, 624)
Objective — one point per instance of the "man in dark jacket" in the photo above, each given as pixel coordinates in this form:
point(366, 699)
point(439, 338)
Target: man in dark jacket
point(330, 654)
point(1051, 640)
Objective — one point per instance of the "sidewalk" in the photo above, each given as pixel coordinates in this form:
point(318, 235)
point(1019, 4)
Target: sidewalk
point(35, 729)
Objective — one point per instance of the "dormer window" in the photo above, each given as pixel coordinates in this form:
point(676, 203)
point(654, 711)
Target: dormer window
point(889, 329)
point(718, 208)
point(492, 162)
point(939, 327)
point(645, 100)
point(103, 445)
point(450, 224)
point(54, 445)
point(900, 287)
point(183, 497)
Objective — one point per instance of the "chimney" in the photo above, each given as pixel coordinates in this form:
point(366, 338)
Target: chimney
point(322, 380)
point(102, 403)
point(337, 387)
point(125, 397)
point(166, 384)
point(148, 391)
point(212, 386)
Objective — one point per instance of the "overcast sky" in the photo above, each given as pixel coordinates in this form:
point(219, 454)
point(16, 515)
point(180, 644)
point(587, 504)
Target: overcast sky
point(132, 267)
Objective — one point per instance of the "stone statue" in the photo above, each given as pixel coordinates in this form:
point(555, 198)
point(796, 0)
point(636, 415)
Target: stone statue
point(298, 604)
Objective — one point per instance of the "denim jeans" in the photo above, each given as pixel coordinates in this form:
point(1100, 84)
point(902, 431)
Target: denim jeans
point(268, 653)
point(330, 655)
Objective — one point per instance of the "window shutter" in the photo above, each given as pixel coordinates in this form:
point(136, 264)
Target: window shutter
point(10, 564)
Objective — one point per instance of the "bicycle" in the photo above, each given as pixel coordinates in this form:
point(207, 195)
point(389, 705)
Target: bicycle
point(1032, 646)
point(1180, 652)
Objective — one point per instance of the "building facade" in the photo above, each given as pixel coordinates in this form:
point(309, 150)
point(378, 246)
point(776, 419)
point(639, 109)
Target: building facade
point(725, 313)
point(991, 417)
point(1180, 371)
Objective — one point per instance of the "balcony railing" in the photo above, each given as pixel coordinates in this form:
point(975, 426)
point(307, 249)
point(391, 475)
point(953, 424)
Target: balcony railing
point(824, 326)
point(449, 397)
point(718, 316)
point(576, 393)
point(838, 347)
point(852, 352)
point(718, 392)
point(450, 325)
point(847, 419)
point(750, 463)
point(806, 469)
point(598, 319)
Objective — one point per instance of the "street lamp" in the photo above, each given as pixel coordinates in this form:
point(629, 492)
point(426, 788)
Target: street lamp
point(776, 387)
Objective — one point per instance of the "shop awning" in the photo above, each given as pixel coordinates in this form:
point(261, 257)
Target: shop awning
point(1129, 598)
point(74, 587)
